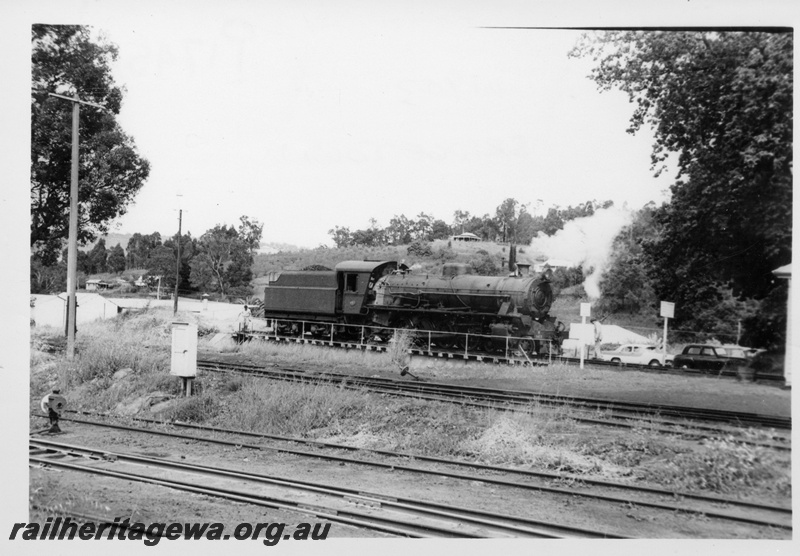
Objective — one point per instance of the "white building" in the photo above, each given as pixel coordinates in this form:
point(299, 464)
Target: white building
point(51, 310)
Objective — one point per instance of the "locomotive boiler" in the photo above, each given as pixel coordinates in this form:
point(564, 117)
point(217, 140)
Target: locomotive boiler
point(455, 308)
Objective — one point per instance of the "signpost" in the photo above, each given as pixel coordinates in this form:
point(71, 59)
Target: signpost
point(586, 311)
point(668, 312)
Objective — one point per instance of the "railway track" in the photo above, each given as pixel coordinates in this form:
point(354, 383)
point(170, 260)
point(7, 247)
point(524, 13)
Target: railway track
point(615, 493)
point(394, 515)
point(667, 415)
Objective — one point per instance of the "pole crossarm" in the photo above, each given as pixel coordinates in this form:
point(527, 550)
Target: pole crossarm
point(76, 99)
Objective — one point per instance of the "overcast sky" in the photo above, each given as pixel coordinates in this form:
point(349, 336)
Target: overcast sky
point(306, 115)
point(310, 118)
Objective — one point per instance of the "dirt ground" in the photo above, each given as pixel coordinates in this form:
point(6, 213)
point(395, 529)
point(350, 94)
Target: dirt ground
point(111, 498)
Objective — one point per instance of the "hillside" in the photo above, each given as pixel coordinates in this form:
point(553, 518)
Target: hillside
point(442, 251)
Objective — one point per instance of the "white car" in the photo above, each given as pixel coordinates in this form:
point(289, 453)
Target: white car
point(637, 354)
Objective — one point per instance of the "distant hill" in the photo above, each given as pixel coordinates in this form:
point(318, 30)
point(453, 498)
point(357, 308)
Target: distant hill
point(272, 248)
point(112, 240)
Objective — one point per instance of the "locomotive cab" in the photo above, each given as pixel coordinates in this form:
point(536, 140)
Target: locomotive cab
point(356, 282)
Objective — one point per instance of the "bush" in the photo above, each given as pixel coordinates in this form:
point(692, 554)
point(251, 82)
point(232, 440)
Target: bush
point(725, 466)
point(420, 249)
point(195, 409)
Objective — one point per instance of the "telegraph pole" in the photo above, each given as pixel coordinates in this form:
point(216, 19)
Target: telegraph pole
point(178, 271)
point(72, 250)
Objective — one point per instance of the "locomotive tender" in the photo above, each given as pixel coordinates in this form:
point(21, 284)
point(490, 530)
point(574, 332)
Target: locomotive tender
point(382, 295)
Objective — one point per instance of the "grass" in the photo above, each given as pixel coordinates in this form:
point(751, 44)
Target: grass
point(544, 438)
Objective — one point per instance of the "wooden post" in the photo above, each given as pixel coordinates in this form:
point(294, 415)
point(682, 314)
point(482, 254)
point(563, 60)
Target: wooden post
point(72, 250)
point(178, 265)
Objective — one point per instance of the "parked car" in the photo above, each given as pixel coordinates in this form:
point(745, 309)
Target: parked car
point(637, 354)
point(768, 365)
point(711, 357)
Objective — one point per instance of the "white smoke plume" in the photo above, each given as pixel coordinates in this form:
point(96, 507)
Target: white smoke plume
point(586, 242)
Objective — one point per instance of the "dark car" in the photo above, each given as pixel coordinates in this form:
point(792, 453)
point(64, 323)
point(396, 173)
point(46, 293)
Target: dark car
point(768, 365)
point(711, 357)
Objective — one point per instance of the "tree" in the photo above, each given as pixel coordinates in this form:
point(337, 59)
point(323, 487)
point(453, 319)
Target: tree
point(626, 286)
point(341, 236)
point(553, 222)
point(225, 257)
point(722, 102)
point(162, 263)
point(439, 230)
point(139, 249)
point(483, 263)
point(512, 258)
point(422, 227)
point(460, 218)
point(400, 229)
point(48, 279)
point(98, 257)
point(188, 251)
point(116, 259)
point(506, 216)
point(66, 61)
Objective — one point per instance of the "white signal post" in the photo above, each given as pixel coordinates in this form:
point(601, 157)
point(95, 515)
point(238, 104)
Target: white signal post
point(586, 311)
point(72, 249)
point(668, 312)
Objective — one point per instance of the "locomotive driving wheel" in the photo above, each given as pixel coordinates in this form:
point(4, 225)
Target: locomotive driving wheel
point(528, 345)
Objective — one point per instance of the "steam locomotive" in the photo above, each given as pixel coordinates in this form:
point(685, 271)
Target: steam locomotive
point(488, 312)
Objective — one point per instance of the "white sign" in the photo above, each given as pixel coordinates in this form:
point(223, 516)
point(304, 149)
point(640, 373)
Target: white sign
point(584, 333)
point(184, 350)
point(586, 309)
point(667, 309)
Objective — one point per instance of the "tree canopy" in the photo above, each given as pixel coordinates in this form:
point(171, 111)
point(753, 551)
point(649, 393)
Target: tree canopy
point(65, 60)
point(721, 103)
point(225, 256)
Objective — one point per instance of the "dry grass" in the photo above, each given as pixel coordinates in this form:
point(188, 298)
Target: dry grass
point(543, 438)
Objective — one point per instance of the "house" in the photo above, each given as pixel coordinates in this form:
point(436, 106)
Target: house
point(95, 284)
point(466, 236)
point(553, 263)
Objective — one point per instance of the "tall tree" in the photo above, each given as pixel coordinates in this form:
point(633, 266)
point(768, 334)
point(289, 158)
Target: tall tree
point(506, 216)
point(67, 61)
point(98, 257)
point(722, 102)
point(116, 259)
point(225, 258)
point(139, 249)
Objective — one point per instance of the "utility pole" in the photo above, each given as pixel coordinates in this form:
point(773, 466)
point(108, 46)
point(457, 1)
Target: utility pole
point(178, 271)
point(72, 249)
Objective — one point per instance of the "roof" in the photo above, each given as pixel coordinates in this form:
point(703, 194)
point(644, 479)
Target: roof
point(361, 266)
point(468, 234)
point(613, 334)
point(83, 297)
